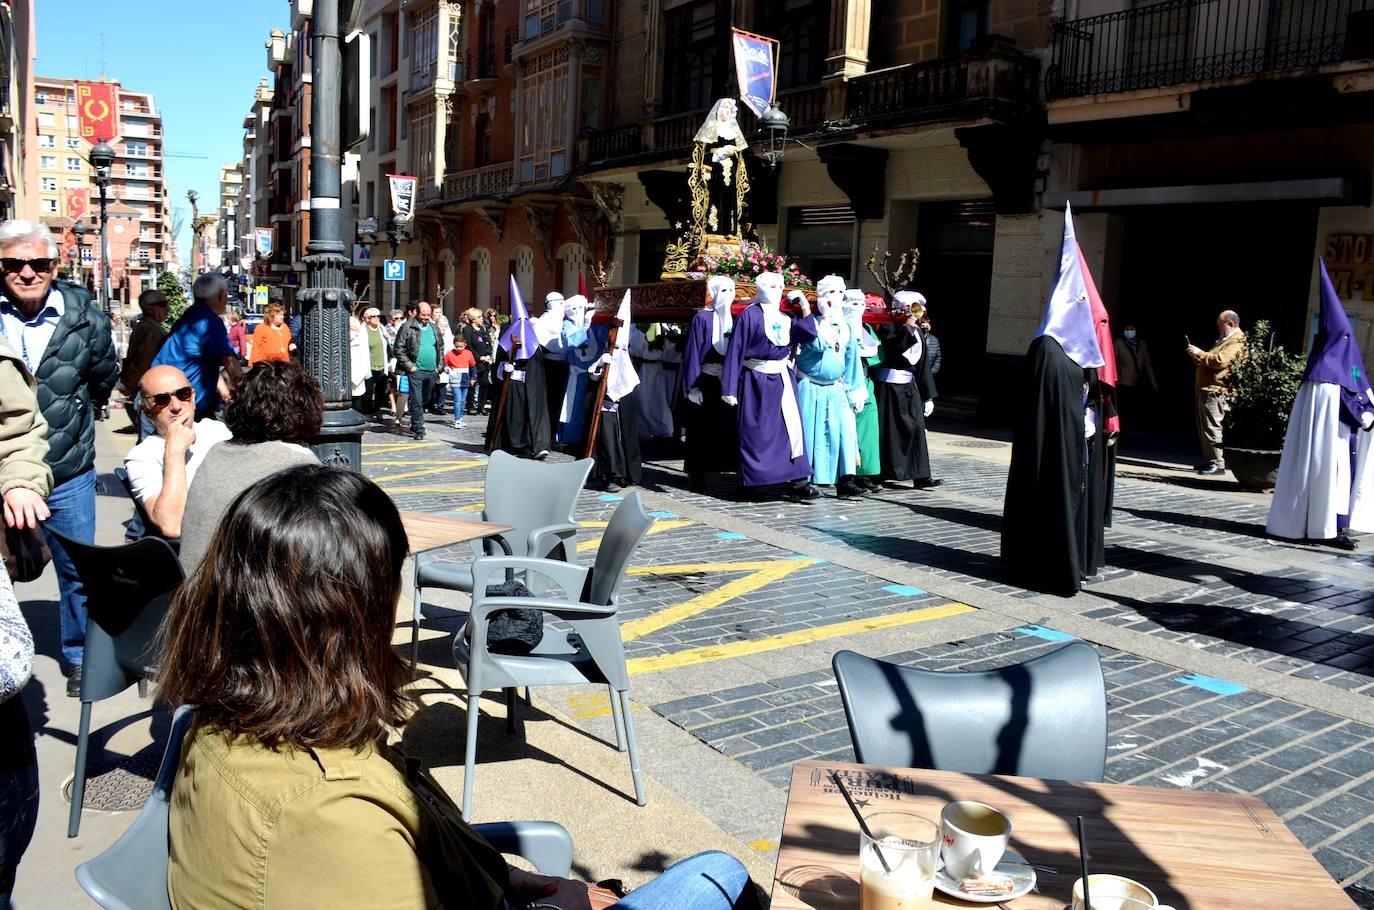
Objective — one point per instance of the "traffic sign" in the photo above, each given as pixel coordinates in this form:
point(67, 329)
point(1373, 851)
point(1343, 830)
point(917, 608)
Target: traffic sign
point(394, 270)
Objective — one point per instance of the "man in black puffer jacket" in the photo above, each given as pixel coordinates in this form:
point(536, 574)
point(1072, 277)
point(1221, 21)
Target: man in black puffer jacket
point(66, 343)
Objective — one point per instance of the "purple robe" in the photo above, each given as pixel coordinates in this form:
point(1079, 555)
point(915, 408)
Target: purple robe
point(765, 451)
point(711, 441)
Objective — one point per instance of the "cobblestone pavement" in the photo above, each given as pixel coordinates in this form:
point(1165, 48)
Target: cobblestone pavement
point(1233, 662)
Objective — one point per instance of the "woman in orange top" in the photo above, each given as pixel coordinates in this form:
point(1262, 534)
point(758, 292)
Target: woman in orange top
point(272, 338)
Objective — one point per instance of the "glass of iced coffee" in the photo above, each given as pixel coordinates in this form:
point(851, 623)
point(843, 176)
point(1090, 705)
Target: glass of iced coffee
point(897, 864)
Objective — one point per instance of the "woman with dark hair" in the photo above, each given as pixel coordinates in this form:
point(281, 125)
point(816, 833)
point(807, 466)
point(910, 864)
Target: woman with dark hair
point(287, 795)
point(273, 415)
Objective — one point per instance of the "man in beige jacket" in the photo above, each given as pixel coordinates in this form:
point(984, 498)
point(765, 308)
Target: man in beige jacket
point(1213, 366)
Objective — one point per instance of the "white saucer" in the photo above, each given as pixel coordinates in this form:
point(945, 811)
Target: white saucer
point(1013, 866)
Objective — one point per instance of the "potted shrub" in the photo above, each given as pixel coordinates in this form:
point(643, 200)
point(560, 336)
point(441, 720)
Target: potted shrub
point(1260, 389)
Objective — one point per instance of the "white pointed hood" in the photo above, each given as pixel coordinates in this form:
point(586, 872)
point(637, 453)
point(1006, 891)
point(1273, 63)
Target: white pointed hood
point(1069, 316)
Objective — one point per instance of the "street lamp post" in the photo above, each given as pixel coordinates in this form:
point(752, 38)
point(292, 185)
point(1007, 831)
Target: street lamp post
point(102, 159)
point(326, 301)
point(79, 232)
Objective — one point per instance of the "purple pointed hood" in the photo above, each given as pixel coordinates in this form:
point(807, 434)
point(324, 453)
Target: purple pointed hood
point(1335, 357)
point(520, 325)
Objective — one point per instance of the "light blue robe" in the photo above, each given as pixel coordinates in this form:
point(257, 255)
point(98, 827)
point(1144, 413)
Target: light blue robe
point(824, 379)
point(582, 349)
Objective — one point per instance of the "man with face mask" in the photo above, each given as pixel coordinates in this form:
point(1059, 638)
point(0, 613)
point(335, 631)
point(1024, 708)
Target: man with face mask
point(1135, 380)
point(861, 397)
point(905, 391)
point(712, 440)
point(828, 370)
point(758, 378)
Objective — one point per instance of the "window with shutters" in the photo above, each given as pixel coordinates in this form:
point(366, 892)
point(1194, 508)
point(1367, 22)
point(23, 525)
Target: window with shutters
point(422, 145)
point(694, 67)
point(1161, 41)
point(802, 28)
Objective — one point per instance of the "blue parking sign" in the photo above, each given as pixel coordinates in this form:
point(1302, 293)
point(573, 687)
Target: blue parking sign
point(394, 270)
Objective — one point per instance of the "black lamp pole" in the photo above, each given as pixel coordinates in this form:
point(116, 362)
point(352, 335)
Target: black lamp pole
point(102, 159)
point(326, 302)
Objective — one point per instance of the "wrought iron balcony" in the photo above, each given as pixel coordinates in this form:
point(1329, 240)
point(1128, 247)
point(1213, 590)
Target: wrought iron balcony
point(1174, 42)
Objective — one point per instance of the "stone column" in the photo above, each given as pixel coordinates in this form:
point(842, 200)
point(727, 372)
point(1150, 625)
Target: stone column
point(849, 23)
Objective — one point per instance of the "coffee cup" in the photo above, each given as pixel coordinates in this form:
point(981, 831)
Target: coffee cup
point(974, 837)
point(1116, 892)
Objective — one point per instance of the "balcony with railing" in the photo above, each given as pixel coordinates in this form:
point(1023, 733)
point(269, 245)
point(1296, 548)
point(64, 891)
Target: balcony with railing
point(1176, 42)
point(991, 79)
point(479, 182)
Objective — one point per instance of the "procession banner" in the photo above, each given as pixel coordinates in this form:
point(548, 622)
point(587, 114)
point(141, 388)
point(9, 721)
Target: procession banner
point(402, 195)
point(78, 202)
point(754, 69)
point(97, 107)
point(263, 238)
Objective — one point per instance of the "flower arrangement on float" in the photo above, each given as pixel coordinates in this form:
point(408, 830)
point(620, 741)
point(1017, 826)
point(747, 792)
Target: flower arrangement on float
point(749, 260)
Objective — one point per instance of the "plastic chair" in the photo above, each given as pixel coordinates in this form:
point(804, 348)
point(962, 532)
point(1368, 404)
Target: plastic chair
point(127, 591)
point(146, 524)
point(593, 653)
point(536, 498)
point(1044, 718)
point(132, 873)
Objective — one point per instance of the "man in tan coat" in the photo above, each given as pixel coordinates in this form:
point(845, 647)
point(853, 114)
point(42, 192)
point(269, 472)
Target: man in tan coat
point(1213, 366)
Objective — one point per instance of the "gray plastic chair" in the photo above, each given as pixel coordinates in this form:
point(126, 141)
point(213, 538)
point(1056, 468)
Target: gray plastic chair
point(1043, 718)
point(127, 591)
point(537, 498)
point(132, 873)
point(593, 653)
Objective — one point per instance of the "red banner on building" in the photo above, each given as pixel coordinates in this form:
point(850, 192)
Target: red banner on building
point(97, 105)
point(78, 203)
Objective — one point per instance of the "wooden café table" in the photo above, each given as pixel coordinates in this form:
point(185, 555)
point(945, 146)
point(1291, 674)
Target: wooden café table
point(427, 531)
point(1197, 850)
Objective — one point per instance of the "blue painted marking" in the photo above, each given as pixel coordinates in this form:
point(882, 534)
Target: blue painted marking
point(819, 562)
point(1047, 634)
point(729, 535)
point(1211, 684)
point(610, 497)
point(904, 590)
point(663, 515)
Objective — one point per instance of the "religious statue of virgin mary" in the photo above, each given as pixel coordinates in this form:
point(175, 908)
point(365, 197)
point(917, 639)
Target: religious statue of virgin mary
point(718, 182)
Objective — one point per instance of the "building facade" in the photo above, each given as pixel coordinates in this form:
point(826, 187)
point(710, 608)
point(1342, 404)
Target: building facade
point(140, 228)
point(18, 167)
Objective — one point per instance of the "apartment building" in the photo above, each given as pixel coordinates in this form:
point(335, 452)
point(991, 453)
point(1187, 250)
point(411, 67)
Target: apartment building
point(18, 168)
point(226, 229)
point(140, 225)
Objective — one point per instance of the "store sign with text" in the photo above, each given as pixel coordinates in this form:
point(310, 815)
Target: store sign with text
point(1350, 260)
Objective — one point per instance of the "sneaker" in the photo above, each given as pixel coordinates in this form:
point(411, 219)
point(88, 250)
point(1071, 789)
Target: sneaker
point(1212, 470)
point(457, 424)
point(74, 682)
point(543, 453)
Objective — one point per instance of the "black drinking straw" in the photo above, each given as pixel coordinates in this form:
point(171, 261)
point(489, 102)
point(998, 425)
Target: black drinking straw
point(1083, 862)
point(863, 826)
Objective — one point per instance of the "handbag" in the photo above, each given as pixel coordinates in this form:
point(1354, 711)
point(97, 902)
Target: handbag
point(26, 553)
point(514, 632)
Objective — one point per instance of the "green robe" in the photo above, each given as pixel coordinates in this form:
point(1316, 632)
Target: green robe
point(867, 421)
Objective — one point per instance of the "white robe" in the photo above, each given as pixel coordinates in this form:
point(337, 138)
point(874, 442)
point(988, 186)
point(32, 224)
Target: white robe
point(1315, 483)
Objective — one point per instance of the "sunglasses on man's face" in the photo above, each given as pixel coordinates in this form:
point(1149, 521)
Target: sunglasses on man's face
point(162, 399)
point(15, 266)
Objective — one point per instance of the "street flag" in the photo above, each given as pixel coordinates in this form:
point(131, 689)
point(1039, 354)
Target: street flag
point(520, 325)
point(78, 202)
point(402, 195)
point(754, 69)
point(97, 108)
point(263, 238)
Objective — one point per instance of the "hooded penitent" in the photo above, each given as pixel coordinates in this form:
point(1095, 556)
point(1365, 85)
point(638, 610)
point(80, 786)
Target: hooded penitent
point(1326, 476)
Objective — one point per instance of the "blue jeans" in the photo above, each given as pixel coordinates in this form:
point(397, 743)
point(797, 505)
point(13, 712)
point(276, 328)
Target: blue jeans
point(460, 399)
point(422, 383)
point(707, 881)
point(72, 504)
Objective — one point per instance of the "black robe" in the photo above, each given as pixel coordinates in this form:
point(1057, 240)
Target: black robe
point(902, 445)
point(1099, 483)
point(617, 439)
point(555, 377)
point(1042, 538)
point(524, 429)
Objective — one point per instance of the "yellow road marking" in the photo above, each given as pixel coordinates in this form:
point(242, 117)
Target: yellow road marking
point(428, 461)
point(435, 489)
point(764, 845)
point(390, 478)
point(593, 705)
point(695, 656)
point(762, 573)
point(398, 446)
point(659, 527)
point(703, 568)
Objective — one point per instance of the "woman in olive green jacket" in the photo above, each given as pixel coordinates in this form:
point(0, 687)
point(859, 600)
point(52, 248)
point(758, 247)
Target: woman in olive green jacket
point(286, 796)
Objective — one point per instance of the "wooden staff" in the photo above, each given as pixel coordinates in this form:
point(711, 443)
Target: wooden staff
point(601, 390)
point(494, 433)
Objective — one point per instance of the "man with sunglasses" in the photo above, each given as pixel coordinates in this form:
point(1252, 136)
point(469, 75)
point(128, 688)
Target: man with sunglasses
point(162, 466)
point(65, 342)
